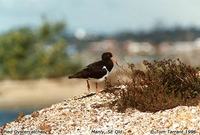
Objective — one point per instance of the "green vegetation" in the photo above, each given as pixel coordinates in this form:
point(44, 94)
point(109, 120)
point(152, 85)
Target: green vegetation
point(28, 53)
point(164, 84)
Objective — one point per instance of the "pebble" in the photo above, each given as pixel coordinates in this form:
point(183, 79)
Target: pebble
point(91, 116)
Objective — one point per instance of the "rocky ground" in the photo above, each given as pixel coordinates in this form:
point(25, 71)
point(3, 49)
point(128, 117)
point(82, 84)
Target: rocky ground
point(93, 115)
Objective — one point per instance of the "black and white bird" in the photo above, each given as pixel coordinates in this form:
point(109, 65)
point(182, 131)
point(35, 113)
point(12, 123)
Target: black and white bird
point(97, 71)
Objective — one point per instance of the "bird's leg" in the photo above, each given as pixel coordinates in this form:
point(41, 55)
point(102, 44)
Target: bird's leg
point(97, 87)
point(88, 86)
point(106, 79)
point(106, 82)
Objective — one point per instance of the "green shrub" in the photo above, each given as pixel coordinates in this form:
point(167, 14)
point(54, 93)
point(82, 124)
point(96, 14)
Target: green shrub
point(164, 84)
point(35, 53)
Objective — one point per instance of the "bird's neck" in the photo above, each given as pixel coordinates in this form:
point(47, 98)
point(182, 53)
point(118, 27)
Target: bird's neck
point(108, 64)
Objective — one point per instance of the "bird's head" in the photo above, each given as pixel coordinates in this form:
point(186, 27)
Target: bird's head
point(106, 56)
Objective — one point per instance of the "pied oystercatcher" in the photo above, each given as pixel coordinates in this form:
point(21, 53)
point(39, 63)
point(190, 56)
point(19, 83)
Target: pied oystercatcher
point(97, 71)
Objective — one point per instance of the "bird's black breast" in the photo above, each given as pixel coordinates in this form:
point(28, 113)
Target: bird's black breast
point(109, 64)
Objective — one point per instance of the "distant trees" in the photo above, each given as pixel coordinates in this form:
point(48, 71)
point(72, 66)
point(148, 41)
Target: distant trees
point(28, 53)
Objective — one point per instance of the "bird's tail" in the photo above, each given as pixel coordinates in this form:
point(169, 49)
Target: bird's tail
point(81, 74)
point(71, 76)
point(77, 75)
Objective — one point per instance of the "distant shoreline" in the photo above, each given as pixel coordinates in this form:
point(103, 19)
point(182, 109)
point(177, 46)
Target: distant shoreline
point(25, 94)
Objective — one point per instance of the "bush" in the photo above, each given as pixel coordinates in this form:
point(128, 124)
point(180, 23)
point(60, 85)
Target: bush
point(164, 84)
point(35, 53)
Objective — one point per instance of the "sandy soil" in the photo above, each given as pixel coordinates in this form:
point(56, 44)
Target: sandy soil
point(38, 93)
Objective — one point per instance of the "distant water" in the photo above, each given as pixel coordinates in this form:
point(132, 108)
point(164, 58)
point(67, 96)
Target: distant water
point(10, 115)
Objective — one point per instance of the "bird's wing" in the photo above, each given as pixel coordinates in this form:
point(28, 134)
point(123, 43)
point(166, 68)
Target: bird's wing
point(94, 70)
point(97, 73)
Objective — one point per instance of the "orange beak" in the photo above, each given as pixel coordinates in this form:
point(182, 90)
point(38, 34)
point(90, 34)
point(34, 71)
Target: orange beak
point(114, 61)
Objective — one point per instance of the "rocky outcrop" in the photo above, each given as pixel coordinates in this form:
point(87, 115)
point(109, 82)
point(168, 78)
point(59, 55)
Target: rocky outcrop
point(93, 115)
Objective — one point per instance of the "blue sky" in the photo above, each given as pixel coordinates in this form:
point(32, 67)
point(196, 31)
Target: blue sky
point(101, 16)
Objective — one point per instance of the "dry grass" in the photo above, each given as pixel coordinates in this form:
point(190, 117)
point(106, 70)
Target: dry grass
point(162, 85)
